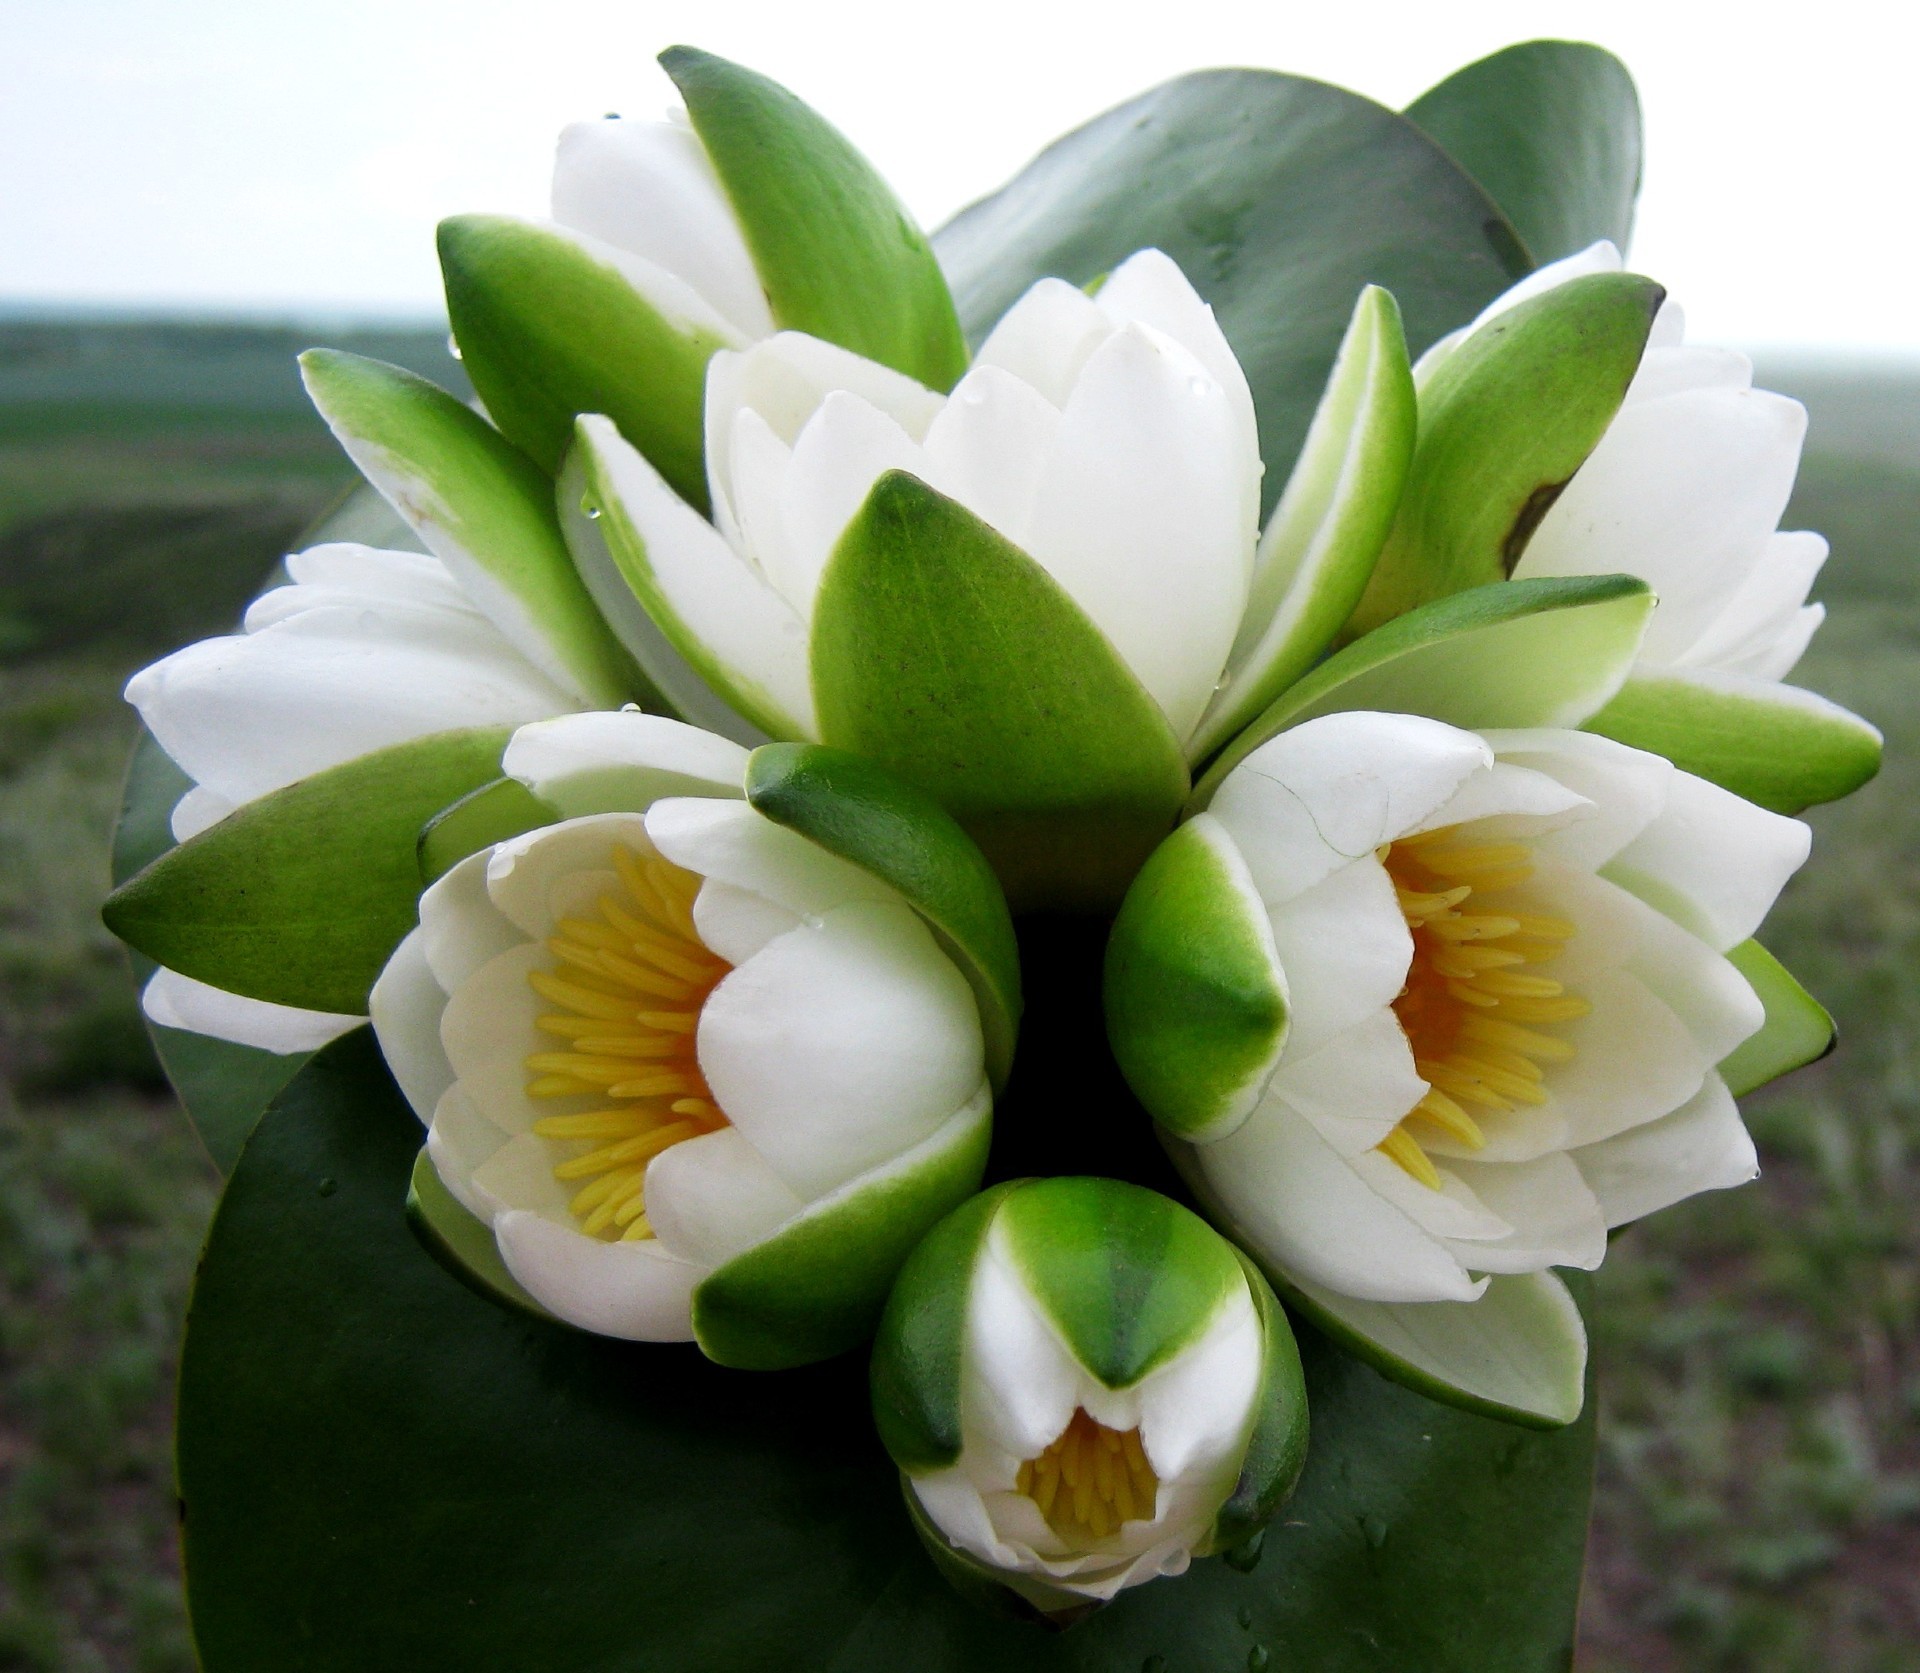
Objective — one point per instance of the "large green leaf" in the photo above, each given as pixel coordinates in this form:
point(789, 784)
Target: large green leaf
point(299, 897)
point(1552, 130)
point(1546, 652)
point(901, 835)
point(1279, 197)
point(1508, 418)
point(482, 507)
point(549, 329)
point(1778, 745)
point(449, 1486)
point(837, 254)
point(948, 655)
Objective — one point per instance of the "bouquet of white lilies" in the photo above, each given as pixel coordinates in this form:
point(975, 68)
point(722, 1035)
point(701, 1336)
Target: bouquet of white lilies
point(989, 828)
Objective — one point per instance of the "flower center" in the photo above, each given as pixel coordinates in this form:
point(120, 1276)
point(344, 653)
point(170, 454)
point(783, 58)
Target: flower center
point(1090, 1480)
point(628, 990)
point(1475, 1015)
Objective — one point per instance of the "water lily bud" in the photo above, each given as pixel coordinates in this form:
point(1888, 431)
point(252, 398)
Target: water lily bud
point(1085, 1387)
point(1417, 1005)
point(702, 1075)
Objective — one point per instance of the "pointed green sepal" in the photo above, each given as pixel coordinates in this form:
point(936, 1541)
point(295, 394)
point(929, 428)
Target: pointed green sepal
point(1196, 1000)
point(505, 808)
point(1547, 652)
point(918, 1348)
point(1277, 1448)
point(1798, 1029)
point(944, 652)
point(863, 813)
point(1777, 745)
point(817, 1287)
point(550, 326)
point(1551, 130)
point(462, 1243)
point(837, 254)
point(1128, 1277)
point(300, 897)
point(1327, 531)
point(482, 507)
point(1505, 422)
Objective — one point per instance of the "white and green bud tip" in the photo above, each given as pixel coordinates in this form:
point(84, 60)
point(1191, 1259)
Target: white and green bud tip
point(708, 1045)
point(1085, 1387)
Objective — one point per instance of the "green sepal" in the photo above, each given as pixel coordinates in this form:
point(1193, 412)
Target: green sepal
point(505, 808)
point(1777, 745)
point(919, 1347)
point(863, 813)
point(1505, 422)
point(945, 653)
point(1277, 1447)
point(837, 254)
point(1128, 1277)
point(482, 507)
point(300, 896)
point(1332, 520)
point(461, 1242)
point(1551, 130)
point(1545, 652)
point(1798, 1029)
point(817, 1287)
point(1196, 1001)
point(549, 329)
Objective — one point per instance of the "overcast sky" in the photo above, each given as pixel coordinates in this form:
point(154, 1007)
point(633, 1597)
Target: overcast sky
point(293, 155)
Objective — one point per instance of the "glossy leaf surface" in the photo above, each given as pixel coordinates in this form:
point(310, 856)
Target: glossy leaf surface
point(455, 1485)
point(1279, 197)
point(1551, 129)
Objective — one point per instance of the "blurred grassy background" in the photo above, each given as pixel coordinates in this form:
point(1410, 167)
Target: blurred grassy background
point(1759, 1492)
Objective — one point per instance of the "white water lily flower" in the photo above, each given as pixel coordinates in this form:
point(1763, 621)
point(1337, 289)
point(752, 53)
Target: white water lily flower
point(1685, 490)
point(363, 649)
point(648, 190)
point(1466, 1000)
point(1110, 437)
point(1108, 1392)
point(660, 1038)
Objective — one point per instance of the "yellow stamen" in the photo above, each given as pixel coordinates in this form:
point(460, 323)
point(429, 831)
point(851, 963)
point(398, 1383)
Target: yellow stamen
point(1090, 1480)
point(627, 995)
point(1471, 1009)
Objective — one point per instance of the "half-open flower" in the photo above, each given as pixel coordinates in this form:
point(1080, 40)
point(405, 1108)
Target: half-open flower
point(702, 1074)
point(1085, 1388)
point(1417, 1006)
point(363, 649)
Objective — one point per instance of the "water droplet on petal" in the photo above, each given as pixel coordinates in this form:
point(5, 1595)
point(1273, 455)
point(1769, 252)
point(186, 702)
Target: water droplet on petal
point(328, 1187)
point(1246, 1615)
point(1244, 1555)
point(1257, 1659)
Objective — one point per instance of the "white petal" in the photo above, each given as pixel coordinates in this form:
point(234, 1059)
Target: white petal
point(1598, 257)
point(460, 1142)
point(635, 1291)
point(345, 573)
point(737, 923)
point(991, 448)
point(1626, 787)
point(560, 871)
point(1555, 1218)
point(649, 188)
point(1345, 949)
point(1702, 1146)
point(406, 1003)
point(1145, 516)
point(841, 1044)
point(488, 1033)
point(1305, 1208)
point(609, 762)
point(176, 1001)
point(1453, 1214)
point(1044, 339)
point(1356, 1088)
point(1322, 795)
point(711, 1197)
point(1508, 802)
point(1712, 861)
point(1672, 370)
point(519, 1176)
point(1773, 655)
point(732, 842)
point(1763, 606)
point(460, 929)
point(1196, 1411)
point(1020, 1385)
point(249, 713)
point(198, 810)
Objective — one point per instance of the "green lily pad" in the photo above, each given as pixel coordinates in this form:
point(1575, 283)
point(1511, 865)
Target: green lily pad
point(1552, 130)
point(455, 1485)
point(1280, 198)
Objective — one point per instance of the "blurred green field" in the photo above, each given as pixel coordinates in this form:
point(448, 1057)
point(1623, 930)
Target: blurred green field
point(1759, 1493)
